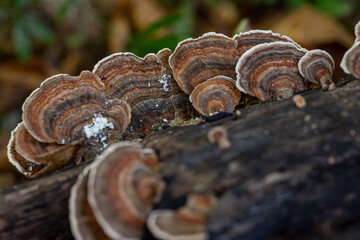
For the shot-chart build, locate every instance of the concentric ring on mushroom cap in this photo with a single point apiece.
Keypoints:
(217, 94)
(350, 63)
(63, 105)
(43, 153)
(249, 39)
(270, 68)
(196, 60)
(123, 186)
(82, 220)
(134, 79)
(36, 160)
(317, 66)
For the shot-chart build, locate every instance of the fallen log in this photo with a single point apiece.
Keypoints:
(289, 173)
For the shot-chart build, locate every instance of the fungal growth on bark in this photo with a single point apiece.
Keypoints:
(196, 60)
(63, 119)
(270, 70)
(357, 31)
(187, 222)
(147, 84)
(317, 67)
(217, 94)
(122, 187)
(82, 220)
(350, 63)
(249, 39)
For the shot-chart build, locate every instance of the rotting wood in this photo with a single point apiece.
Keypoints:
(290, 173)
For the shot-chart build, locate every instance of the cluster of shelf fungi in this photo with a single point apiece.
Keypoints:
(71, 120)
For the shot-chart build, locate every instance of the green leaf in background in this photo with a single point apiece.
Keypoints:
(39, 30)
(184, 26)
(335, 8)
(21, 41)
(63, 9)
(294, 4)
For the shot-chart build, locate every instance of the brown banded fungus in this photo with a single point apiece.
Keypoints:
(123, 186)
(196, 60)
(82, 220)
(62, 118)
(357, 31)
(58, 111)
(350, 63)
(147, 84)
(34, 159)
(249, 39)
(317, 67)
(270, 70)
(217, 94)
(187, 222)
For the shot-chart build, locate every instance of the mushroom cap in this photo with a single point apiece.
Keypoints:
(34, 159)
(122, 188)
(196, 60)
(270, 69)
(315, 65)
(185, 223)
(82, 220)
(148, 85)
(249, 39)
(58, 111)
(43, 153)
(357, 31)
(350, 63)
(217, 94)
(134, 79)
(164, 225)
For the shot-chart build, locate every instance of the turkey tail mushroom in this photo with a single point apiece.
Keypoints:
(217, 94)
(123, 186)
(317, 66)
(196, 60)
(187, 222)
(270, 70)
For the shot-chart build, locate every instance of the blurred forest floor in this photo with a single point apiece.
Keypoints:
(40, 38)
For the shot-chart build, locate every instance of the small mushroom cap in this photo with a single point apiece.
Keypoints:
(123, 186)
(58, 111)
(350, 63)
(196, 60)
(249, 39)
(82, 220)
(164, 225)
(218, 94)
(187, 222)
(317, 66)
(36, 159)
(270, 70)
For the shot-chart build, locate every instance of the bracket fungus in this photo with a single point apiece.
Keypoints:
(62, 118)
(270, 70)
(217, 94)
(122, 188)
(249, 39)
(187, 222)
(317, 67)
(147, 84)
(196, 60)
(350, 63)
(357, 31)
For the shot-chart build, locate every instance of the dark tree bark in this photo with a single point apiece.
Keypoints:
(290, 173)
